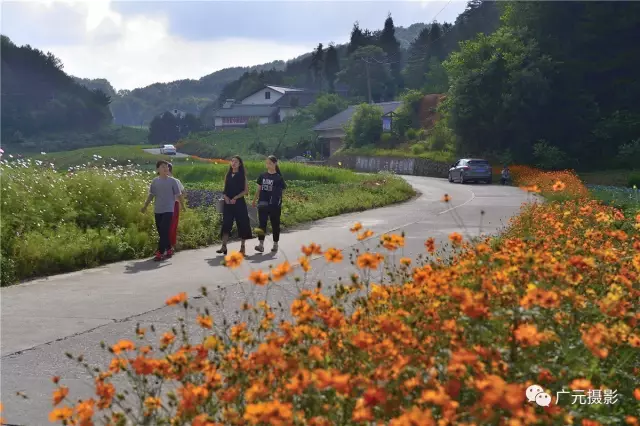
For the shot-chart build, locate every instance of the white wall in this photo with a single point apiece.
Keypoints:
(330, 134)
(258, 97)
(287, 112)
(219, 122)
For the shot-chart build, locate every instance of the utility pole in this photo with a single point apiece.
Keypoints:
(367, 61)
(368, 81)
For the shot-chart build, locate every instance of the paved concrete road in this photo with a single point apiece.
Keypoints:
(156, 151)
(74, 312)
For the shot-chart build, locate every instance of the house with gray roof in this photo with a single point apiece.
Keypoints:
(332, 129)
(269, 105)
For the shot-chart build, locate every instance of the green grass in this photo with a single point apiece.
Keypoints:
(110, 135)
(608, 177)
(55, 222)
(228, 142)
(117, 155)
(440, 156)
(291, 171)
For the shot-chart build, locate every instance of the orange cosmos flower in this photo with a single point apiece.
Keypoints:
(60, 394)
(304, 264)
(581, 384)
(430, 245)
(259, 278)
(178, 298)
(405, 261)
(559, 186)
(367, 260)
(60, 414)
(636, 394)
(356, 227)
(364, 235)
(123, 345)
(311, 249)
(167, 339)
(281, 271)
(152, 403)
(233, 260)
(446, 198)
(333, 255)
(84, 411)
(204, 321)
(455, 238)
(528, 335)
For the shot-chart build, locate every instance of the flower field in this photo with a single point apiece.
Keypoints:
(553, 302)
(82, 216)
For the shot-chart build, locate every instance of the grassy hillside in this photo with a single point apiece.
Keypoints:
(66, 141)
(108, 156)
(248, 142)
(139, 106)
(39, 98)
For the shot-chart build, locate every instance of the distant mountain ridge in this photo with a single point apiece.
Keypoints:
(138, 107)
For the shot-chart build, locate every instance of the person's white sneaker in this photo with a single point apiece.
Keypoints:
(275, 248)
(260, 248)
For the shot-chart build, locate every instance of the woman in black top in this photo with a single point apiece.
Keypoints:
(235, 208)
(269, 201)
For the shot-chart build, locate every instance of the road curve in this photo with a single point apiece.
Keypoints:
(156, 151)
(74, 312)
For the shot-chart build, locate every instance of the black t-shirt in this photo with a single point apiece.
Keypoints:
(271, 186)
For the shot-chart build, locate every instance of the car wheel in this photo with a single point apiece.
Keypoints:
(462, 178)
(450, 178)
(490, 181)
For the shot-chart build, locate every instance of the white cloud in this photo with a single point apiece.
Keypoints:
(137, 51)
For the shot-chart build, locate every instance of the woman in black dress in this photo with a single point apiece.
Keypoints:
(235, 207)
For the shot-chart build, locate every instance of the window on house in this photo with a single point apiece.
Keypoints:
(267, 95)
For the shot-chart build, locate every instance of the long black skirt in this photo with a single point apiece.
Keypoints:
(239, 214)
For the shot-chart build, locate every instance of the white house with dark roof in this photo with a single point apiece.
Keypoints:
(271, 104)
(332, 129)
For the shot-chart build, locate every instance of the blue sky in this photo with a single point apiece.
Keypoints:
(136, 43)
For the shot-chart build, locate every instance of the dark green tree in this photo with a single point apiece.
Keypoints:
(164, 128)
(365, 126)
(359, 38)
(331, 66)
(367, 74)
(317, 65)
(327, 105)
(391, 47)
(38, 97)
(499, 93)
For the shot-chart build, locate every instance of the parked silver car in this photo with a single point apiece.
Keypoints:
(471, 170)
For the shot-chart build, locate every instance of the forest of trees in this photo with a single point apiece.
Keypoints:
(556, 85)
(396, 58)
(169, 128)
(39, 97)
(548, 83)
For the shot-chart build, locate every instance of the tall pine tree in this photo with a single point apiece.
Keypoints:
(317, 65)
(391, 48)
(416, 64)
(331, 66)
(358, 39)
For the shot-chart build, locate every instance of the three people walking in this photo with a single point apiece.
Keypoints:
(268, 199)
(167, 192)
